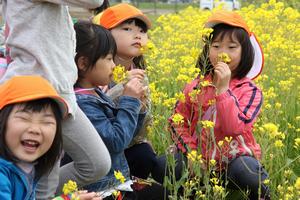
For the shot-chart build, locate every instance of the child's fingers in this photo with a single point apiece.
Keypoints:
(136, 73)
(89, 196)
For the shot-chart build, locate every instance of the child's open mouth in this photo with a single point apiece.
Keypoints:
(30, 145)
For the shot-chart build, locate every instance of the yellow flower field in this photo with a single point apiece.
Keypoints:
(176, 43)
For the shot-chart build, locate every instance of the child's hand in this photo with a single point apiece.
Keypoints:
(136, 73)
(134, 88)
(84, 195)
(222, 75)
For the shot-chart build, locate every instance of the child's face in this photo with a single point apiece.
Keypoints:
(101, 74)
(29, 135)
(229, 45)
(129, 38)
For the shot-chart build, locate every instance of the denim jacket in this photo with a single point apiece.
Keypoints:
(116, 125)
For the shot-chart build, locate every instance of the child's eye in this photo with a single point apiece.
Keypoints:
(21, 117)
(232, 47)
(49, 123)
(127, 29)
(215, 46)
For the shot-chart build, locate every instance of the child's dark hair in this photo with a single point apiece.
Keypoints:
(247, 54)
(46, 162)
(92, 42)
(99, 9)
(138, 61)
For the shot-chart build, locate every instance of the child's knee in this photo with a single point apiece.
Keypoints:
(247, 171)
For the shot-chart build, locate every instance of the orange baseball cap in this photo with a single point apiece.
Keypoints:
(115, 15)
(233, 19)
(20, 89)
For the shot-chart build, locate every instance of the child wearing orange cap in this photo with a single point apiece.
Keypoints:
(129, 27)
(230, 100)
(41, 40)
(31, 114)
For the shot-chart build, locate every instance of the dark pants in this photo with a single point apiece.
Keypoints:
(243, 173)
(141, 160)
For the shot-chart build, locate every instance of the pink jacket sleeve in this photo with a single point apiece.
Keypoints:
(237, 108)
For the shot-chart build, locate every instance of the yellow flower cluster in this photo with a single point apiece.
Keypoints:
(178, 119)
(70, 187)
(194, 157)
(120, 74)
(119, 176)
(224, 57)
(207, 124)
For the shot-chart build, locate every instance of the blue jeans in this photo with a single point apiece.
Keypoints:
(245, 172)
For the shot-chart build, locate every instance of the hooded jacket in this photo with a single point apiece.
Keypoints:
(233, 113)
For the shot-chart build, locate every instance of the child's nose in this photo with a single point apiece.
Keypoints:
(113, 65)
(138, 35)
(34, 128)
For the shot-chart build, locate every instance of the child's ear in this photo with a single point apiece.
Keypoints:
(82, 63)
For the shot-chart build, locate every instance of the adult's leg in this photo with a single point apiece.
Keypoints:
(91, 159)
(245, 172)
(47, 185)
(141, 159)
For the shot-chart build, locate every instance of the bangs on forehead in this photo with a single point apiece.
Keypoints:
(139, 23)
(219, 34)
(38, 105)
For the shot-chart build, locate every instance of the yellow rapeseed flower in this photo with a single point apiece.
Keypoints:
(205, 83)
(119, 176)
(211, 102)
(214, 181)
(207, 124)
(278, 143)
(220, 143)
(192, 155)
(180, 97)
(267, 181)
(297, 184)
(206, 32)
(193, 94)
(70, 187)
(224, 57)
(297, 143)
(212, 162)
(228, 139)
(177, 119)
(120, 74)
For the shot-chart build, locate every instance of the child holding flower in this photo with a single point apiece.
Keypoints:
(129, 27)
(116, 124)
(222, 104)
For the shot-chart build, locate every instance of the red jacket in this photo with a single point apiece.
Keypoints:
(233, 112)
